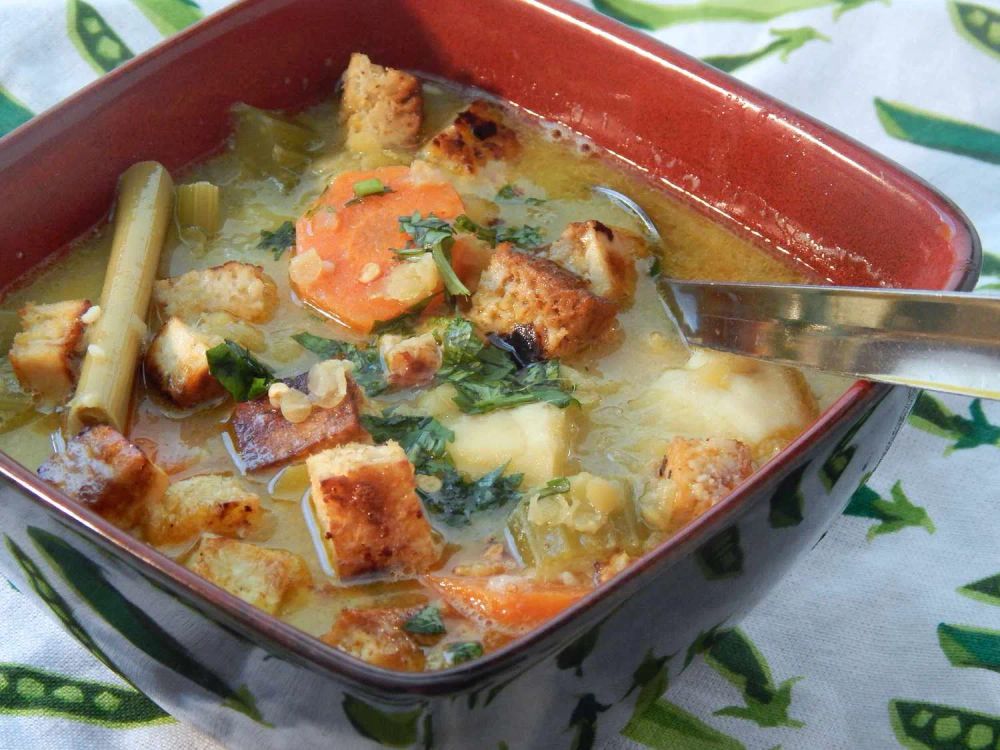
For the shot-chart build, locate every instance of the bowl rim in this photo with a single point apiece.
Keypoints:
(300, 647)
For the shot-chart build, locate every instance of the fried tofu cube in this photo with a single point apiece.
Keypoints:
(694, 475)
(376, 636)
(368, 510)
(213, 503)
(105, 472)
(410, 361)
(241, 289)
(518, 289)
(175, 363)
(604, 256)
(382, 107)
(46, 352)
(476, 137)
(267, 578)
(264, 438)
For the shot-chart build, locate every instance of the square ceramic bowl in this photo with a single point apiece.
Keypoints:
(765, 170)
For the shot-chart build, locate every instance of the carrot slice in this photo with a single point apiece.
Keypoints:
(355, 243)
(511, 603)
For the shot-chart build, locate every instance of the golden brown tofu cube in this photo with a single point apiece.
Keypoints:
(213, 503)
(518, 289)
(694, 475)
(175, 363)
(241, 289)
(368, 510)
(604, 256)
(476, 137)
(265, 438)
(377, 637)
(46, 352)
(105, 472)
(383, 107)
(410, 361)
(266, 578)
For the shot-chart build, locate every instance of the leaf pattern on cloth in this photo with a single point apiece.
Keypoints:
(785, 43)
(932, 726)
(170, 16)
(937, 131)
(665, 726)
(94, 38)
(979, 24)
(894, 514)
(967, 646)
(12, 112)
(986, 590)
(930, 415)
(650, 15)
(29, 690)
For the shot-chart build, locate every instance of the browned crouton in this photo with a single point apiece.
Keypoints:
(210, 503)
(693, 476)
(265, 438)
(368, 510)
(410, 361)
(383, 107)
(240, 289)
(176, 364)
(521, 289)
(377, 637)
(105, 472)
(46, 352)
(604, 256)
(266, 578)
(476, 137)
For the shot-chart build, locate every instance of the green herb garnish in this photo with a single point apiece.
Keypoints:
(435, 236)
(511, 194)
(279, 240)
(422, 437)
(365, 188)
(367, 371)
(557, 486)
(525, 237)
(425, 622)
(456, 653)
(458, 498)
(403, 322)
(238, 371)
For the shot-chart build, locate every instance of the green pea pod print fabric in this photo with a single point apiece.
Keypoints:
(885, 635)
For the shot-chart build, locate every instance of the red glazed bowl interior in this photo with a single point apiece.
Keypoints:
(793, 185)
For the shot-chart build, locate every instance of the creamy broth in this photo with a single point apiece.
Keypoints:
(619, 431)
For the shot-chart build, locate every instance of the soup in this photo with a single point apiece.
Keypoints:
(404, 380)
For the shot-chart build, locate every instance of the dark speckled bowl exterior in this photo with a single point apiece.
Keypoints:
(798, 187)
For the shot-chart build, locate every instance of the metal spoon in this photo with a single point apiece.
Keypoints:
(941, 341)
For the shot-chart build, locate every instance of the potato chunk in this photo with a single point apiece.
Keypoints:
(377, 637)
(175, 363)
(266, 578)
(368, 510)
(241, 289)
(534, 439)
(213, 503)
(383, 107)
(521, 289)
(105, 472)
(476, 137)
(46, 352)
(604, 256)
(265, 438)
(410, 361)
(693, 476)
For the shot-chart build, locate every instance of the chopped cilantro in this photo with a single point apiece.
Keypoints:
(238, 371)
(425, 622)
(557, 486)
(512, 194)
(279, 240)
(367, 364)
(458, 498)
(403, 322)
(422, 437)
(456, 653)
(526, 237)
(366, 188)
(435, 236)
(425, 231)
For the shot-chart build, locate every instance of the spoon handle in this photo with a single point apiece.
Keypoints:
(936, 340)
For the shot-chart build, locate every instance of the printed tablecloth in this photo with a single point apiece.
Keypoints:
(888, 633)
